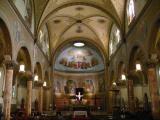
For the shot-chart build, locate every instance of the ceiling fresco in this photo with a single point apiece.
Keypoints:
(79, 59)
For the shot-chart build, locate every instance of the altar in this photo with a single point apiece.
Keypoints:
(80, 115)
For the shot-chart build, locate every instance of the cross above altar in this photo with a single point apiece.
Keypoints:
(79, 96)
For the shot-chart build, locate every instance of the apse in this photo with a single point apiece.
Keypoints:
(78, 65)
(76, 58)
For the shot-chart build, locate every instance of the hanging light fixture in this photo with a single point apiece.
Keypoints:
(44, 84)
(22, 67)
(114, 84)
(36, 77)
(79, 44)
(123, 77)
(138, 67)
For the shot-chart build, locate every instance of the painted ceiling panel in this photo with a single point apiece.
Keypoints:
(119, 5)
(106, 5)
(79, 30)
(40, 5)
(101, 25)
(92, 19)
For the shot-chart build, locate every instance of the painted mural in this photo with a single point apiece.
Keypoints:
(25, 9)
(79, 59)
(58, 87)
(88, 86)
(70, 86)
(66, 83)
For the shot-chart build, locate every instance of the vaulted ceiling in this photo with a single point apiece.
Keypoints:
(68, 19)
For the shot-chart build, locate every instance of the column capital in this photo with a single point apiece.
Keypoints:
(29, 75)
(38, 83)
(10, 64)
(152, 61)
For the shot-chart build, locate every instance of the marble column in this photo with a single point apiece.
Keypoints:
(130, 94)
(153, 86)
(29, 93)
(8, 88)
(41, 98)
(46, 98)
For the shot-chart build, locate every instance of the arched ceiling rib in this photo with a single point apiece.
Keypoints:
(91, 19)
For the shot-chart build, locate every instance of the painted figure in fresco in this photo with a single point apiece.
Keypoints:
(58, 87)
(70, 87)
(89, 86)
(101, 85)
(79, 59)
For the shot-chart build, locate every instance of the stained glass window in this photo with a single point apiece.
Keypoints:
(43, 41)
(130, 11)
(115, 38)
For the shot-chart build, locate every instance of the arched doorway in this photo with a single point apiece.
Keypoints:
(79, 68)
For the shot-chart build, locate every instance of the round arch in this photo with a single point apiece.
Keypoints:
(38, 70)
(140, 81)
(86, 40)
(46, 79)
(24, 56)
(153, 39)
(5, 40)
(121, 69)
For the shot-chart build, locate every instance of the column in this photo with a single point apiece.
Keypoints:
(130, 94)
(153, 86)
(41, 98)
(8, 88)
(29, 93)
(110, 102)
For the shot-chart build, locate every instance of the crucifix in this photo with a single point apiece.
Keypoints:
(79, 96)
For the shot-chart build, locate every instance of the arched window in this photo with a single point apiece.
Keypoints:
(115, 38)
(43, 40)
(130, 11)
